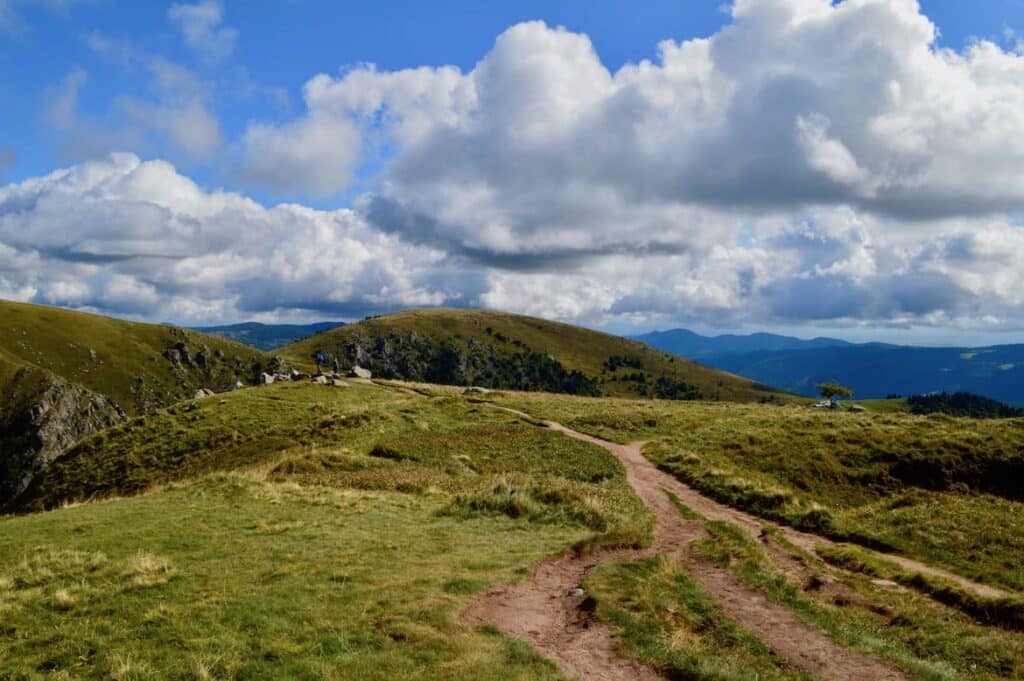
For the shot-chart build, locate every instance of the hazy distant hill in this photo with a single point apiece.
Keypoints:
(872, 369)
(268, 336)
(686, 343)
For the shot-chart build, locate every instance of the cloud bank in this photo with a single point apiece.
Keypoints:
(810, 163)
(138, 238)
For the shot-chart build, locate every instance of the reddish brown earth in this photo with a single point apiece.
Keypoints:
(560, 626)
(539, 612)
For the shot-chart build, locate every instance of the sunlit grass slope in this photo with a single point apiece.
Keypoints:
(297, 531)
(578, 349)
(236, 577)
(938, 488)
(109, 356)
(362, 436)
(306, 531)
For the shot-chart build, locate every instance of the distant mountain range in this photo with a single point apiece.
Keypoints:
(692, 345)
(268, 336)
(873, 370)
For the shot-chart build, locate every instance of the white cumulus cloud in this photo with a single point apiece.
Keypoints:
(201, 26)
(135, 237)
(810, 160)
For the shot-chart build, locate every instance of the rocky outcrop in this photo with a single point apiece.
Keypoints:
(44, 417)
(196, 367)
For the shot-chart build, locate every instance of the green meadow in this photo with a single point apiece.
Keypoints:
(306, 531)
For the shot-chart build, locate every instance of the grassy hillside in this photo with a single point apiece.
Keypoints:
(126, 361)
(314, 532)
(495, 349)
(306, 531)
(65, 375)
(937, 487)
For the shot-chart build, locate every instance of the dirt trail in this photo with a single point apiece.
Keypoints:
(539, 612)
(803, 645)
(713, 510)
(559, 624)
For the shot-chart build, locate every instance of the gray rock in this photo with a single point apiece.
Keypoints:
(52, 417)
(575, 592)
(266, 379)
(338, 383)
(360, 372)
(321, 380)
(475, 390)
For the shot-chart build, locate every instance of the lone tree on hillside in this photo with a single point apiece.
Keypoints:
(830, 391)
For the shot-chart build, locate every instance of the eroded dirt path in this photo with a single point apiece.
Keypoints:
(559, 624)
(538, 611)
(774, 625)
(752, 525)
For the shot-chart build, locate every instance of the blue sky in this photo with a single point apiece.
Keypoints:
(798, 170)
(282, 43)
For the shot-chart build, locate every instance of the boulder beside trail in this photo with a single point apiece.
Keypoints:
(360, 372)
(204, 392)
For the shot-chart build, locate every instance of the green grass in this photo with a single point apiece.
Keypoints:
(298, 531)
(480, 459)
(940, 489)
(236, 577)
(1007, 612)
(666, 618)
(305, 531)
(575, 347)
(59, 341)
(980, 536)
(886, 406)
(243, 428)
(925, 639)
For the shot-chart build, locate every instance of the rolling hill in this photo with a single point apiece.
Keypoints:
(500, 350)
(267, 336)
(66, 374)
(873, 370)
(382, 530)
